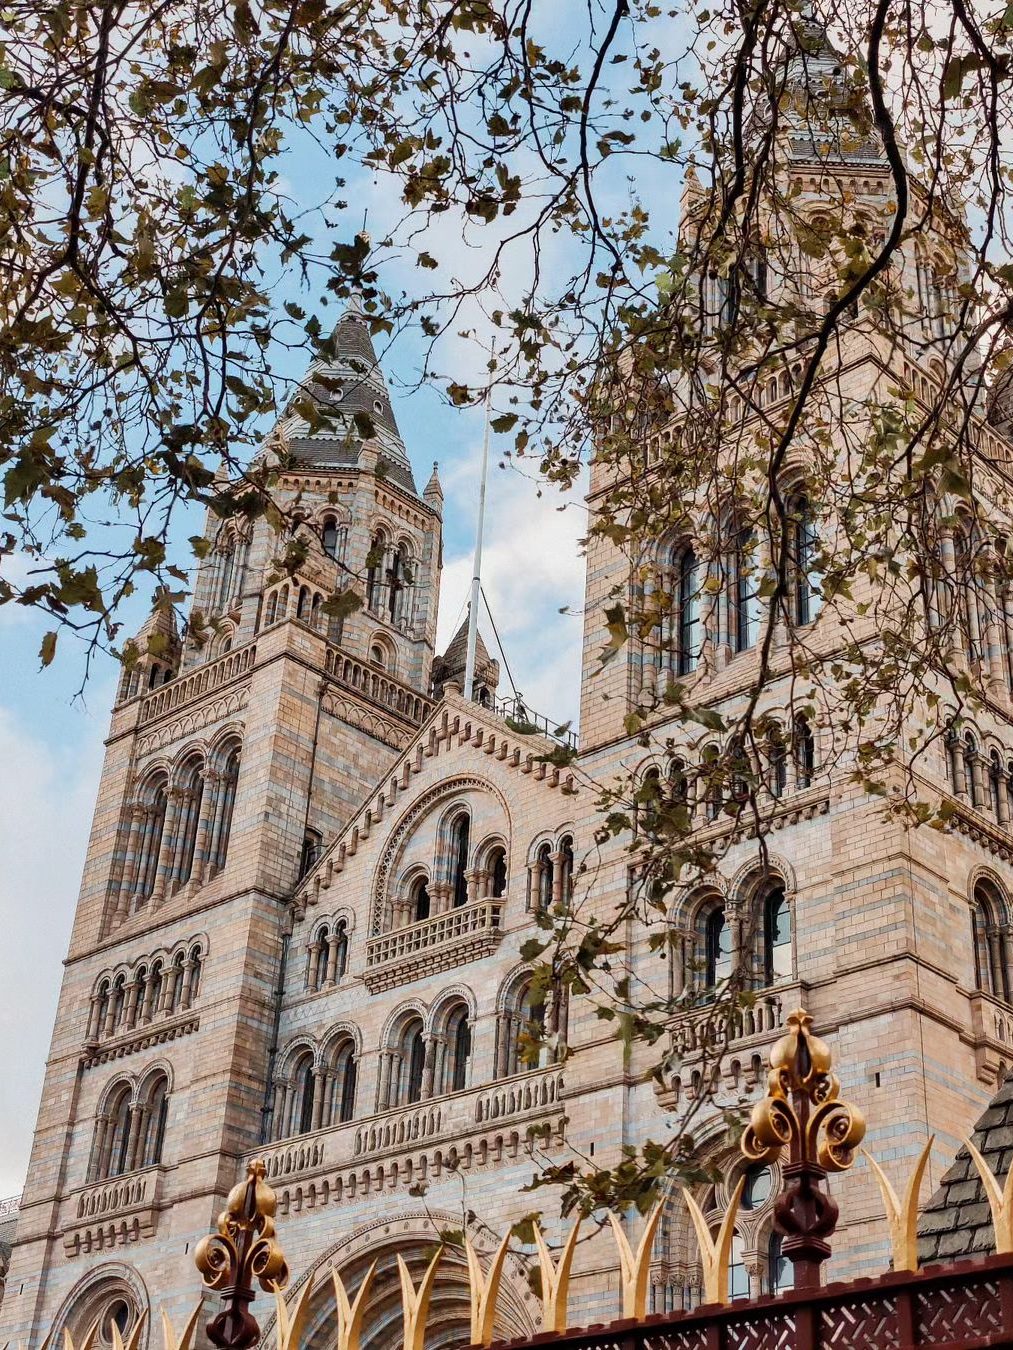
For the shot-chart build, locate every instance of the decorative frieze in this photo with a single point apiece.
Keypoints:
(113, 1213)
(143, 1039)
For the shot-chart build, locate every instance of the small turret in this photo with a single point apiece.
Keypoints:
(158, 649)
(450, 667)
(433, 494)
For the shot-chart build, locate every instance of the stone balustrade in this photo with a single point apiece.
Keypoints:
(377, 687)
(185, 688)
(112, 1213)
(708, 1030)
(449, 939)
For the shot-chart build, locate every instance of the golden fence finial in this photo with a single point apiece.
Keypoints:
(635, 1270)
(243, 1250)
(902, 1219)
(415, 1302)
(555, 1279)
(89, 1336)
(715, 1253)
(803, 1113)
(1000, 1202)
(133, 1340)
(350, 1314)
(484, 1290)
(185, 1341)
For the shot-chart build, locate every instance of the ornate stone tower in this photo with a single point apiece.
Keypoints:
(232, 754)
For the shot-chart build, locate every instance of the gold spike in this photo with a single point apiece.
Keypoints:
(714, 1254)
(555, 1280)
(635, 1270)
(350, 1314)
(415, 1302)
(185, 1341)
(134, 1337)
(290, 1324)
(484, 1290)
(902, 1219)
(89, 1336)
(999, 1201)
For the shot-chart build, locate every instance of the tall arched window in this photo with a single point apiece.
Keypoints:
(996, 786)
(460, 833)
(342, 1076)
(780, 1269)
(716, 937)
(744, 591)
(971, 774)
(340, 940)
(154, 1114)
(497, 869)
(738, 1276)
(543, 861)
(648, 800)
(804, 544)
(686, 596)
(227, 560)
(152, 828)
(374, 570)
(804, 750)
(305, 1082)
(413, 1060)
(191, 799)
(114, 1135)
(710, 763)
(777, 964)
(458, 1050)
(303, 603)
(566, 865)
(965, 584)
(334, 538)
(777, 761)
(402, 578)
(419, 902)
(988, 933)
(312, 844)
(225, 810)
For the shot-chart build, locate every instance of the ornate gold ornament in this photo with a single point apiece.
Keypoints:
(715, 1253)
(555, 1280)
(902, 1219)
(635, 1269)
(243, 1250)
(484, 1290)
(1000, 1201)
(415, 1302)
(803, 1112)
(350, 1314)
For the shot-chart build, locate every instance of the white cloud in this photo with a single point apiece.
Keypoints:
(46, 802)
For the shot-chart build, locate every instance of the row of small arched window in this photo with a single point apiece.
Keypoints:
(153, 989)
(314, 1092)
(724, 779)
(759, 937)
(390, 580)
(985, 782)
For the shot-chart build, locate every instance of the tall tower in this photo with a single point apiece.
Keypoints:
(234, 751)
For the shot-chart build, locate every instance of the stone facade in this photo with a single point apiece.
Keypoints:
(307, 889)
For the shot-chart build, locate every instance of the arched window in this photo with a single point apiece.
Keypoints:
(419, 903)
(965, 584)
(282, 603)
(710, 763)
(566, 865)
(458, 1050)
(744, 591)
(227, 561)
(522, 1026)
(777, 762)
(991, 954)
(152, 827)
(114, 1135)
(686, 596)
(413, 1060)
(402, 577)
(804, 544)
(334, 538)
(191, 800)
(496, 867)
(319, 952)
(154, 1114)
(543, 868)
(804, 751)
(341, 1078)
(460, 832)
(312, 844)
(340, 940)
(305, 1084)
(716, 936)
(302, 605)
(756, 1191)
(678, 781)
(225, 810)
(374, 570)
(738, 1277)
(272, 609)
(377, 656)
(777, 964)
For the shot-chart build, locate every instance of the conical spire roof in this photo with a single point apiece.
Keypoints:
(825, 117)
(346, 387)
(453, 663)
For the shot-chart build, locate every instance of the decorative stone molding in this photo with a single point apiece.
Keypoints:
(347, 710)
(442, 943)
(976, 827)
(113, 1213)
(141, 1039)
(228, 706)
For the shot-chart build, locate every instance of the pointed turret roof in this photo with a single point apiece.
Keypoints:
(453, 663)
(347, 386)
(434, 490)
(161, 622)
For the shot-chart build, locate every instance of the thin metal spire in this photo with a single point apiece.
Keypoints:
(476, 580)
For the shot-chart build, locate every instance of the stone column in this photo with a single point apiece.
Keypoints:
(319, 1088)
(650, 659)
(128, 878)
(138, 1117)
(168, 846)
(311, 977)
(980, 795)
(333, 942)
(186, 998)
(94, 1019)
(133, 991)
(205, 830)
(278, 1111)
(557, 859)
(149, 994)
(168, 998)
(98, 1148)
(432, 1044)
(110, 1017)
(474, 879)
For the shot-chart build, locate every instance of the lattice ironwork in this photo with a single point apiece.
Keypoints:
(861, 1324)
(952, 1313)
(772, 1332)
